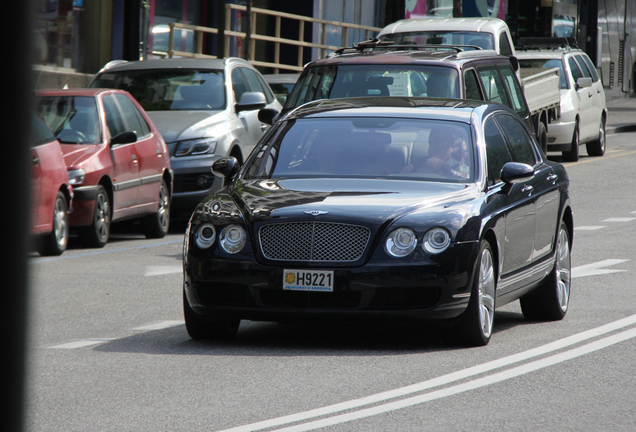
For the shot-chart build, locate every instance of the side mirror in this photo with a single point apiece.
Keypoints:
(268, 115)
(515, 172)
(251, 101)
(124, 138)
(226, 167)
(514, 62)
(583, 83)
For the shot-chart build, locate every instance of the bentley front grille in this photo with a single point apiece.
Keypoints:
(313, 241)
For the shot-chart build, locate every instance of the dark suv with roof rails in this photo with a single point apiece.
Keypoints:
(375, 68)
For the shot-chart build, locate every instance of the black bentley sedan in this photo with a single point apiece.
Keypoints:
(391, 209)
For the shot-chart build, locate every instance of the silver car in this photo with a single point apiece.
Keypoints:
(205, 109)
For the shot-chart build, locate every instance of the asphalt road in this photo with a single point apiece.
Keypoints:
(108, 350)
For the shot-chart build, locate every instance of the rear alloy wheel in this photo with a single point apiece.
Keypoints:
(55, 242)
(97, 233)
(476, 323)
(597, 147)
(156, 225)
(213, 330)
(549, 302)
(572, 155)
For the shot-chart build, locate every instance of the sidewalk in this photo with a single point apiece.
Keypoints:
(621, 111)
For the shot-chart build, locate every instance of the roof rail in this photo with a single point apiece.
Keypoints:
(378, 44)
(553, 43)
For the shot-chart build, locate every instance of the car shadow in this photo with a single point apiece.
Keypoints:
(304, 339)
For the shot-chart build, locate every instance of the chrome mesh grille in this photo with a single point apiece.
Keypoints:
(313, 241)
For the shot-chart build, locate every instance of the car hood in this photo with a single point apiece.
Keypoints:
(368, 201)
(75, 155)
(180, 125)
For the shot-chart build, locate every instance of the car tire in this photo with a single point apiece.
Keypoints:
(97, 233)
(572, 155)
(156, 225)
(56, 241)
(542, 136)
(213, 330)
(550, 301)
(597, 147)
(476, 323)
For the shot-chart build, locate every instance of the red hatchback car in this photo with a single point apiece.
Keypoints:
(51, 194)
(117, 161)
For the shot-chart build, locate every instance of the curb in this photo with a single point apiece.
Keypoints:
(620, 128)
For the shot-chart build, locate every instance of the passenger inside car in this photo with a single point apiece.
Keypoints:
(447, 155)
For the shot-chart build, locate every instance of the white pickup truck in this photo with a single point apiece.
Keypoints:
(542, 90)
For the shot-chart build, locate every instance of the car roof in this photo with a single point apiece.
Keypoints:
(381, 55)
(281, 78)
(173, 63)
(398, 107)
(488, 25)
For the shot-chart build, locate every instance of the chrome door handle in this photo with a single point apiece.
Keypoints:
(552, 177)
(589, 94)
(527, 189)
(36, 160)
(134, 158)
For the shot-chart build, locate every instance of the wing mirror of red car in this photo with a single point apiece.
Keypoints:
(124, 138)
(251, 101)
(226, 167)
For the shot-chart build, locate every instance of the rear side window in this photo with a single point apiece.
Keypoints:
(257, 85)
(511, 83)
(493, 85)
(586, 62)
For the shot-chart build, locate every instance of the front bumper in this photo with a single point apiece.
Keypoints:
(193, 181)
(406, 290)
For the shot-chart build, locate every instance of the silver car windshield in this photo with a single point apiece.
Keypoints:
(169, 89)
(407, 149)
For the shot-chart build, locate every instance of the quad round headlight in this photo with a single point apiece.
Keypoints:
(205, 235)
(400, 242)
(232, 238)
(436, 240)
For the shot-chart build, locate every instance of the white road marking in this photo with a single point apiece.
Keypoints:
(588, 228)
(597, 268)
(79, 343)
(618, 219)
(159, 325)
(444, 379)
(162, 270)
(470, 385)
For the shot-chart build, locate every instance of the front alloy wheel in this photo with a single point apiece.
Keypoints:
(97, 233)
(476, 323)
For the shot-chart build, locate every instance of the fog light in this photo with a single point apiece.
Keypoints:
(203, 181)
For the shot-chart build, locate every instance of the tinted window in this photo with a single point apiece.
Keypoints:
(40, 132)
(367, 147)
(133, 118)
(239, 84)
(72, 119)
(374, 80)
(441, 37)
(520, 142)
(574, 68)
(497, 151)
(471, 85)
(510, 80)
(114, 120)
(493, 86)
(504, 45)
(590, 66)
(169, 89)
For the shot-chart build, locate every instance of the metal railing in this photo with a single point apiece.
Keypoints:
(276, 39)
